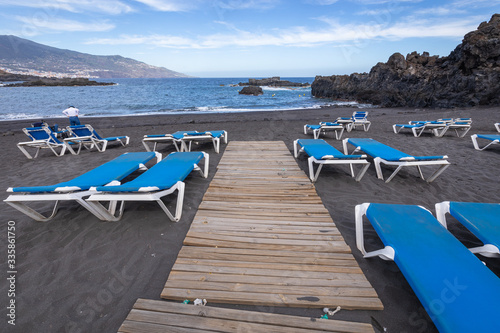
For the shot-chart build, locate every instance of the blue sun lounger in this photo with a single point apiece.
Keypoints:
(86, 136)
(437, 127)
(493, 138)
(482, 219)
(174, 138)
(41, 137)
(382, 153)
(321, 153)
(459, 293)
(76, 189)
(360, 118)
(214, 136)
(160, 180)
(323, 127)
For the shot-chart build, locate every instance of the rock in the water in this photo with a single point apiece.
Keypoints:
(252, 90)
(469, 76)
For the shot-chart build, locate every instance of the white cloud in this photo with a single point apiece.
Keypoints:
(39, 23)
(113, 7)
(171, 5)
(335, 33)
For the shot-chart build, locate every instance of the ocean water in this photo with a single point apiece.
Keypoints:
(154, 96)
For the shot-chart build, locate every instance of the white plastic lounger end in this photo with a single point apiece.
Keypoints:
(482, 219)
(321, 153)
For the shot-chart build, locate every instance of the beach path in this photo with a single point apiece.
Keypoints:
(262, 236)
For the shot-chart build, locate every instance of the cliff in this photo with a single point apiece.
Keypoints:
(468, 76)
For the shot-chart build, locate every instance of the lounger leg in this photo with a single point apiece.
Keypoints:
(316, 133)
(305, 129)
(33, 213)
(361, 172)
(25, 152)
(437, 173)
(216, 143)
(338, 136)
(312, 175)
(393, 174)
(147, 147)
(178, 207)
(378, 168)
(295, 152)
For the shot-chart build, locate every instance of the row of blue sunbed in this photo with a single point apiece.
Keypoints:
(85, 136)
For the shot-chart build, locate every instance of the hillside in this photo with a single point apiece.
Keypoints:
(27, 57)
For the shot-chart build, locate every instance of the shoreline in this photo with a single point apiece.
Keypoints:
(95, 270)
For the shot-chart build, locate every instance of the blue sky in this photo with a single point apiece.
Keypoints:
(248, 38)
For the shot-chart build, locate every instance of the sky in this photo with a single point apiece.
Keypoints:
(248, 38)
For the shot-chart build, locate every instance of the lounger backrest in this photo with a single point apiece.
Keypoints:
(83, 130)
(482, 219)
(116, 169)
(175, 167)
(359, 115)
(41, 133)
(444, 274)
(491, 137)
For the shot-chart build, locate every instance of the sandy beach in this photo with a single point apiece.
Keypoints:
(78, 274)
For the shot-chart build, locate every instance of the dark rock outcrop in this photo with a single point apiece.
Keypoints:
(54, 82)
(468, 76)
(252, 90)
(273, 82)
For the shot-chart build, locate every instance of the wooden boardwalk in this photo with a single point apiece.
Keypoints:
(262, 236)
(161, 316)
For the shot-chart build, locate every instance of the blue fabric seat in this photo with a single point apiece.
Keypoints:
(162, 179)
(382, 153)
(111, 172)
(457, 290)
(321, 153)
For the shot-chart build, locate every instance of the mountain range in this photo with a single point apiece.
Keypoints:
(22, 56)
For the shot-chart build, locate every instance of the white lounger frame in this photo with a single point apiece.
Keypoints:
(497, 126)
(338, 129)
(89, 141)
(404, 162)
(205, 137)
(476, 145)
(39, 144)
(143, 194)
(67, 193)
(331, 160)
(161, 139)
(487, 250)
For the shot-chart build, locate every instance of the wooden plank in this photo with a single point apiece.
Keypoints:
(262, 272)
(331, 281)
(285, 290)
(270, 266)
(290, 300)
(189, 241)
(252, 316)
(294, 255)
